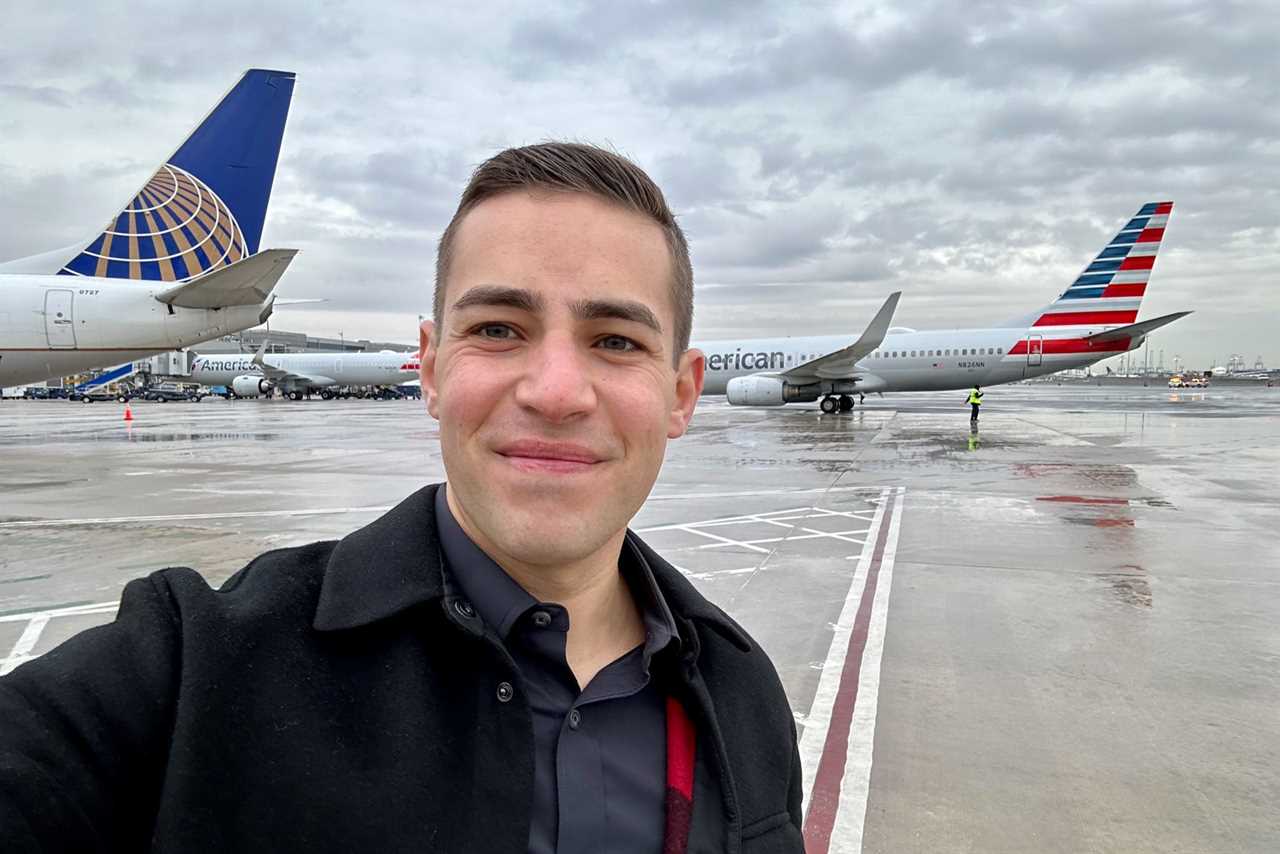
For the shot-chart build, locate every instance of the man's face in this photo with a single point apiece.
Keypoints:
(552, 374)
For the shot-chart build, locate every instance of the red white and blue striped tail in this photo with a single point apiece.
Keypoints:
(1109, 291)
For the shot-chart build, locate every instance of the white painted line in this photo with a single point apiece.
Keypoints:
(855, 791)
(711, 523)
(336, 511)
(818, 721)
(823, 489)
(722, 541)
(72, 611)
(26, 642)
(188, 517)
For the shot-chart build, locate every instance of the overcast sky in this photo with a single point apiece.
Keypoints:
(973, 155)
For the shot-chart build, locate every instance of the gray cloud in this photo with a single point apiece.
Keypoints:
(974, 155)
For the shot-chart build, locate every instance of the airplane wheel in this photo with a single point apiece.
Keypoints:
(829, 405)
(846, 403)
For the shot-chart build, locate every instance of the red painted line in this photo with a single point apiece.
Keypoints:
(1072, 345)
(824, 800)
(1135, 289)
(1142, 262)
(1079, 318)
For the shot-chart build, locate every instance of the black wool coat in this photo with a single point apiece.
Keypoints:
(333, 697)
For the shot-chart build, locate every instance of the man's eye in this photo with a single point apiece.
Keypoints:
(495, 331)
(618, 343)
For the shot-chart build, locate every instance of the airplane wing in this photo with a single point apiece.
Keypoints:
(1135, 330)
(287, 379)
(248, 281)
(840, 363)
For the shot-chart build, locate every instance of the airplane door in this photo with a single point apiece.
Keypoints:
(1035, 349)
(59, 322)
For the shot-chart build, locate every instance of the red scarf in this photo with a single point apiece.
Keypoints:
(680, 758)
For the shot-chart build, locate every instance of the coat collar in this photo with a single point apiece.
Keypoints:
(395, 563)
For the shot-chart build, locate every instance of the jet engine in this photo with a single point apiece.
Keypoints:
(769, 391)
(250, 385)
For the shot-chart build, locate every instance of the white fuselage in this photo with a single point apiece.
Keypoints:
(52, 326)
(912, 361)
(322, 369)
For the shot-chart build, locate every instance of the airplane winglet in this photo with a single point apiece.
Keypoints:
(873, 336)
(269, 370)
(1135, 330)
(248, 281)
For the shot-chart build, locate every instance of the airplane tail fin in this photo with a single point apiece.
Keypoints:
(1108, 292)
(205, 206)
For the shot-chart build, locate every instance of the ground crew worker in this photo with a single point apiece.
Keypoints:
(975, 400)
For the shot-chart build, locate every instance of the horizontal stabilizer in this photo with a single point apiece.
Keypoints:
(840, 363)
(1135, 330)
(248, 281)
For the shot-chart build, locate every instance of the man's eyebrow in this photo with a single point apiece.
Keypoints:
(599, 309)
(499, 295)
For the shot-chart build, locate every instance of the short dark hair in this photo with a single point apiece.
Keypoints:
(577, 168)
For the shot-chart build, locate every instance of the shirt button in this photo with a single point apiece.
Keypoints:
(505, 692)
(541, 619)
(575, 719)
(463, 609)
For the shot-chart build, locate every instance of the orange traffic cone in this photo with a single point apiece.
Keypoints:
(128, 413)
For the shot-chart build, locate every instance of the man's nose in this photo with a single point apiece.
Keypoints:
(557, 383)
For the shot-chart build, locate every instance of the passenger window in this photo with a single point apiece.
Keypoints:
(1000, 350)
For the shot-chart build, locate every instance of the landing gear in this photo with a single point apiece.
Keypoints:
(295, 395)
(831, 404)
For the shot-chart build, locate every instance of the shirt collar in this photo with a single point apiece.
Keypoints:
(497, 597)
(501, 601)
(396, 563)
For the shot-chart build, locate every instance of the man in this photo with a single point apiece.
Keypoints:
(494, 666)
(975, 401)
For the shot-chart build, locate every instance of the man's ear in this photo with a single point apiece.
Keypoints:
(690, 374)
(427, 371)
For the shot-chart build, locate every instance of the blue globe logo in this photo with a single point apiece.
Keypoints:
(174, 229)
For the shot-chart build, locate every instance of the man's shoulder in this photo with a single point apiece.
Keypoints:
(275, 583)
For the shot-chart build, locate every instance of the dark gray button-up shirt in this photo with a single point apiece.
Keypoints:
(600, 753)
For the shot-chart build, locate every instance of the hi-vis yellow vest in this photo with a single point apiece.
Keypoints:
(975, 397)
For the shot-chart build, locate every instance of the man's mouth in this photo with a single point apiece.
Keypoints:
(553, 457)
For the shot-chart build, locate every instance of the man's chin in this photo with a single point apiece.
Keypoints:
(542, 540)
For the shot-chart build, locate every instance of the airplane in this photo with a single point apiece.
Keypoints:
(179, 264)
(297, 374)
(1093, 319)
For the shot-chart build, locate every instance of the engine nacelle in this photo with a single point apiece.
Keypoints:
(249, 385)
(769, 391)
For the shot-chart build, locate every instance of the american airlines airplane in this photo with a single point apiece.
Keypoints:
(178, 265)
(298, 374)
(1093, 319)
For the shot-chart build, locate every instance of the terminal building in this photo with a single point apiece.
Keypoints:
(296, 342)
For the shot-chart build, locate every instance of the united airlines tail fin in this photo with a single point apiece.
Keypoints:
(205, 206)
(1108, 292)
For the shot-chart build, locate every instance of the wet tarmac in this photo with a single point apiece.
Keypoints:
(1060, 632)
